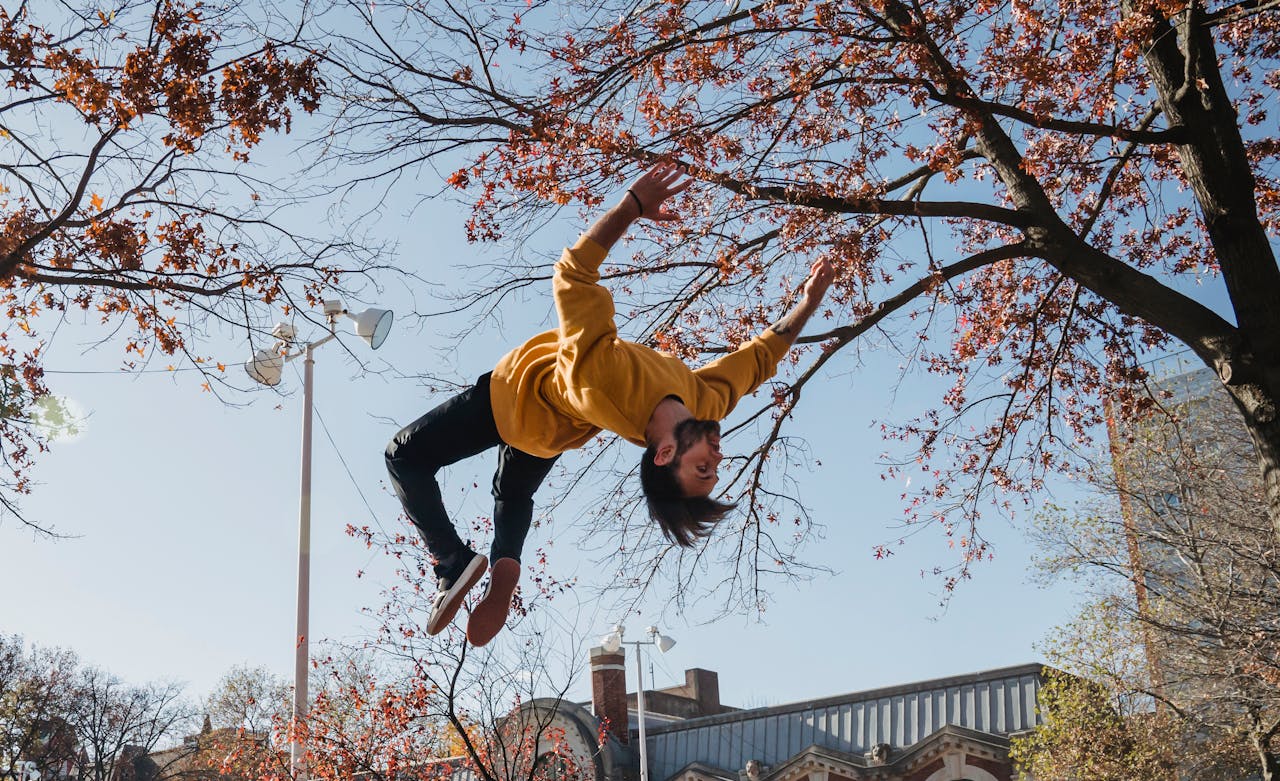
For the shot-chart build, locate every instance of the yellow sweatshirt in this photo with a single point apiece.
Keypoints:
(559, 389)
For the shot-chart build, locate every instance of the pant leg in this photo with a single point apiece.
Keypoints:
(458, 428)
(514, 484)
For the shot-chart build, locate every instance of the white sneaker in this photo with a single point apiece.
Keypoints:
(451, 592)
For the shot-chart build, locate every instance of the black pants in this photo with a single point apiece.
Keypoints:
(461, 427)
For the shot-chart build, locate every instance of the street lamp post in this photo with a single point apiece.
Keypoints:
(266, 367)
(612, 642)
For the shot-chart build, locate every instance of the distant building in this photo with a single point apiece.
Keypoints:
(1151, 460)
(947, 729)
(51, 755)
(197, 759)
(1199, 417)
(1199, 413)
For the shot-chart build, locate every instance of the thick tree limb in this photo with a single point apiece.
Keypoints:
(10, 261)
(1171, 135)
(1239, 11)
(912, 292)
(815, 199)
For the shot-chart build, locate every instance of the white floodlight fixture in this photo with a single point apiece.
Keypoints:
(265, 367)
(663, 642)
(373, 325)
(612, 641)
(285, 332)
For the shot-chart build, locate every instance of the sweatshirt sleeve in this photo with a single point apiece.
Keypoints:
(585, 309)
(737, 374)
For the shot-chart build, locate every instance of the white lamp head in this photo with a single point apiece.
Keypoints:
(265, 367)
(373, 325)
(612, 641)
(285, 332)
(663, 642)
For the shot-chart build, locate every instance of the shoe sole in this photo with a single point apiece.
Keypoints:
(490, 615)
(447, 607)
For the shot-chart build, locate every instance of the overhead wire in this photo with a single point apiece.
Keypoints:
(319, 417)
(125, 372)
(328, 435)
(347, 468)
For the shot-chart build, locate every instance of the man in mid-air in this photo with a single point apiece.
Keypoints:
(562, 387)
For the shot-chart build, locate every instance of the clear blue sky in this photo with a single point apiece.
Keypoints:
(184, 511)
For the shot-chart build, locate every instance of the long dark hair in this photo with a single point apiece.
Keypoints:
(683, 519)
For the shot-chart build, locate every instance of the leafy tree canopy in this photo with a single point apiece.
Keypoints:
(126, 194)
(1018, 197)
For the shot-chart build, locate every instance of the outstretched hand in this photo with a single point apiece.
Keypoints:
(650, 192)
(821, 273)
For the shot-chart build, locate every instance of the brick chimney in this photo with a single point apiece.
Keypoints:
(609, 690)
(704, 687)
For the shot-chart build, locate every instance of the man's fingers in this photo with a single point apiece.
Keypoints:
(664, 179)
(821, 274)
(673, 178)
(662, 171)
(682, 186)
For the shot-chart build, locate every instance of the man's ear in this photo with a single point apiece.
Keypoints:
(665, 454)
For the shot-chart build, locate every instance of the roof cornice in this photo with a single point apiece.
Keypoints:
(1015, 671)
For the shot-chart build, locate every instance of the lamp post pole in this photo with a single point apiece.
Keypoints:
(612, 642)
(302, 638)
(644, 748)
(264, 367)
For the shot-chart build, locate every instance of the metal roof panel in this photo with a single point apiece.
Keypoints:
(997, 702)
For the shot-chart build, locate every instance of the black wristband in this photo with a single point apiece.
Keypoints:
(636, 198)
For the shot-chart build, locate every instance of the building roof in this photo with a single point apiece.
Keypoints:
(998, 702)
(1191, 386)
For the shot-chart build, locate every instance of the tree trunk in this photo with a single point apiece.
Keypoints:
(1183, 62)
(1257, 404)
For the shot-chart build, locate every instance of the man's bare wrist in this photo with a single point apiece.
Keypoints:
(612, 225)
(635, 199)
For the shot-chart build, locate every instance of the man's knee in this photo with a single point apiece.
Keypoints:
(402, 454)
(393, 451)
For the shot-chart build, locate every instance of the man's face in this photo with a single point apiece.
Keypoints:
(698, 470)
